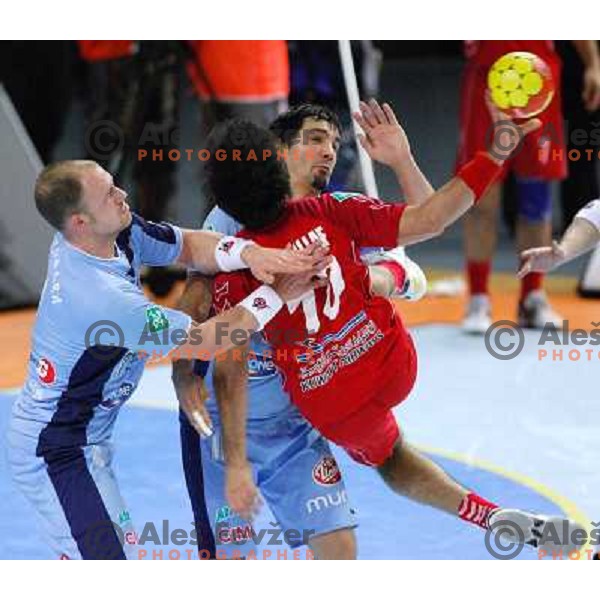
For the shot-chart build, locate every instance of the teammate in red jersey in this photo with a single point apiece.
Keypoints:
(346, 357)
(540, 160)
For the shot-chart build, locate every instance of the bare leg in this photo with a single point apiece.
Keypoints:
(481, 227)
(409, 473)
(336, 545)
(533, 235)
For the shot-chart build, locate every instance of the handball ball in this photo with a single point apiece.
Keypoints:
(521, 84)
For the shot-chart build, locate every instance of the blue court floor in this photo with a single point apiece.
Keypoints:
(522, 432)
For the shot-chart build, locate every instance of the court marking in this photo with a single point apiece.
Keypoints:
(570, 509)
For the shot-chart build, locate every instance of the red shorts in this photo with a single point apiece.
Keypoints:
(370, 433)
(543, 153)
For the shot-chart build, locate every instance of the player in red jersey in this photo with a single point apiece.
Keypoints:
(541, 160)
(346, 357)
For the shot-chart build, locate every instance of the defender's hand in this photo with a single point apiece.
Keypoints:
(241, 492)
(265, 263)
(541, 260)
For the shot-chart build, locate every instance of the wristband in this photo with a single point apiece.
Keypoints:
(591, 213)
(228, 253)
(264, 304)
(479, 173)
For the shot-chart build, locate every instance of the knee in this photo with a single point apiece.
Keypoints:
(346, 546)
(337, 545)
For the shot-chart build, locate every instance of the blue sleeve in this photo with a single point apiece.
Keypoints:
(156, 244)
(139, 324)
(219, 221)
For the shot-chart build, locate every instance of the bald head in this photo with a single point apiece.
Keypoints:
(59, 190)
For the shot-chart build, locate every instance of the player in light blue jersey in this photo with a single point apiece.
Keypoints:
(290, 461)
(93, 334)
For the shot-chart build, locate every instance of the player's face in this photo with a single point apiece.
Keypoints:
(105, 204)
(312, 157)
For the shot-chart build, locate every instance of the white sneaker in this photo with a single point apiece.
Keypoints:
(549, 534)
(415, 283)
(479, 315)
(535, 312)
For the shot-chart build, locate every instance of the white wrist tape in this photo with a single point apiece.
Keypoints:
(264, 304)
(228, 253)
(591, 212)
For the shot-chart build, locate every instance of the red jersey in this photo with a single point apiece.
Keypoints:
(338, 347)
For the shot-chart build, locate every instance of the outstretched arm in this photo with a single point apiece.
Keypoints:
(210, 252)
(447, 205)
(581, 236)
(233, 327)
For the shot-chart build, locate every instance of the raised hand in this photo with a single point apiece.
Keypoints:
(507, 135)
(384, 139)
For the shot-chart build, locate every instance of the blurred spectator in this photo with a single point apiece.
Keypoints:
(581, 101)
(37, 76)
(540, 161)
(240, 78)
(135, 86)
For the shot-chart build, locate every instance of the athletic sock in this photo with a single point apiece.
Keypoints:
(531, 283)
(477, 510)
(478, 274)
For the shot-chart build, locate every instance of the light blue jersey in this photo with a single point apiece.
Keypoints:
(93, 334)
(266, 397)
(75, 381)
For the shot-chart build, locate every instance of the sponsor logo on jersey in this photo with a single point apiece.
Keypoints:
(223, 514)
(238, 534)
(326, 501)
(259, 303)
(131, 538)
(226, 246)
(124, 364)
(342, 196)
(326, 471)
(46, 371)
(156, 319)
(124, 517)
(260, 367)
(119, 397)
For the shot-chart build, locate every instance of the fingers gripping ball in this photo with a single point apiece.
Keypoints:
(521, 84)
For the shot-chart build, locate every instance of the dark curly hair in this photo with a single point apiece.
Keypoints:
(287, 125)
(245, 177)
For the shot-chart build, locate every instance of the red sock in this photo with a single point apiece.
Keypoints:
(530, 283)
(476, 510)
(397, 271)
(478, 274)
